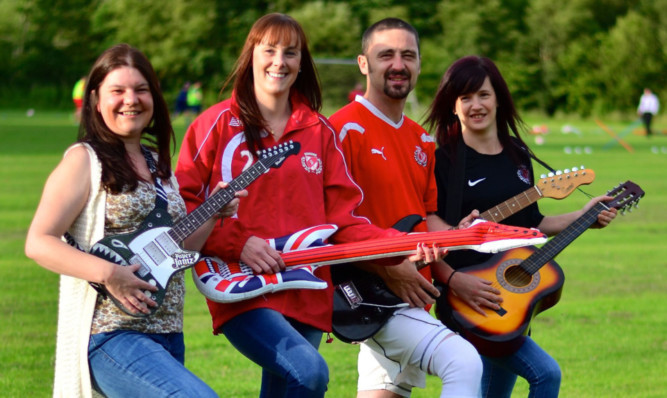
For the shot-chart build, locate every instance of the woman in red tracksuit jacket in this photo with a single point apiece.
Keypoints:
(276, 99)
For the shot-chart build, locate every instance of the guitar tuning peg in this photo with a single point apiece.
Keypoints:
(558, 172)
(550, 175)
(575, 169)
(582, 167)
(566, 171)
(543, 176)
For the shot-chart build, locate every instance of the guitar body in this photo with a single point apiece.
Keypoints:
(529, 280)
(151, 247)
(524, 296)
(362, 302)
(362, 305)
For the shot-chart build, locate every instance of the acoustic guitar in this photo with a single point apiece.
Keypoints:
(530, 282)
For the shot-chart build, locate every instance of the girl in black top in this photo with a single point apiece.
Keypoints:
(477, 129)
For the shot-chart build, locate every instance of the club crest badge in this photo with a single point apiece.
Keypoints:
(523, 174)
(311, 163)
(420, 156)
(234, 122)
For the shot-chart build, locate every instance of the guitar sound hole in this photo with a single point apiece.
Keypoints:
(517, 276)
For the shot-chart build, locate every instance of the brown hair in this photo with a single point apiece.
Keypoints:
(272, 28)
(386, 24)
(117, 171)
(466, 75)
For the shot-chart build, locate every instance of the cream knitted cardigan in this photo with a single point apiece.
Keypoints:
(77, 298)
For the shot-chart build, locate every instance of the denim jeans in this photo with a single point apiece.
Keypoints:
(126, 363)
(285, 349)
(530, 362)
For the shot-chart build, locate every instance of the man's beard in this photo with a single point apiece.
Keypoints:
(397, 93)
(394, 92)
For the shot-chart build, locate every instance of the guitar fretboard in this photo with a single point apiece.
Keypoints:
(214, 203)
(512, 205)
(559, 242)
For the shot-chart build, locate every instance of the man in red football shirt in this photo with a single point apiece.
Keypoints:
(392, 158)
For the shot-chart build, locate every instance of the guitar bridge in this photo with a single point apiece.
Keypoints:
(351, 294)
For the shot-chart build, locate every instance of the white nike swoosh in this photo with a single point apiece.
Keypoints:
(473, 183)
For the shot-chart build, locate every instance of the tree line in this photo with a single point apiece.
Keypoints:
(586, 57)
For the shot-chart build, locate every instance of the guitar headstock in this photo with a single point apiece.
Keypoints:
(274, 156)
(561, 183)
(626, 196)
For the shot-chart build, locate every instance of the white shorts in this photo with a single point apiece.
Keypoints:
(384, 359)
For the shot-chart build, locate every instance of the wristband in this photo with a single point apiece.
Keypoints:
(450, 277)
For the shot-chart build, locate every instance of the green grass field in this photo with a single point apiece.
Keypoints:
(609, 332)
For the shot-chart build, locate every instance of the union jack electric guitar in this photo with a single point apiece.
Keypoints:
(224, 282)
(530, 282)
(304, 251)
(155, 245)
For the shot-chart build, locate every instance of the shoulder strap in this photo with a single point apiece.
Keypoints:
(160, 194)
(455, 185)
(532, 156)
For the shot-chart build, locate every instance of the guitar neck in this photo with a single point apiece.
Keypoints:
(190, 223)
(486, 236)
(512, 205)
(559, 242)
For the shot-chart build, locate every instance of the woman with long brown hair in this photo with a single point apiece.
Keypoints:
(108, 183)
(276, 99)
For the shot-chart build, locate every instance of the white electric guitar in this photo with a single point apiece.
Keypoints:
(155, 245)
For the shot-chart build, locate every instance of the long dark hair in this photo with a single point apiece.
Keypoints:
(117, 171)
(465, 76)
(275, 28)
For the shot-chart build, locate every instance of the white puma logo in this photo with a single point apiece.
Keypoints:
(473, 183)
(378, 152)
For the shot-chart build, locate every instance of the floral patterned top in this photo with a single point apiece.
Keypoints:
(124, 213)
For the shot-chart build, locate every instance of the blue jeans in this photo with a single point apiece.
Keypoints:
(285, 349)
(127, 363)
(530, 362)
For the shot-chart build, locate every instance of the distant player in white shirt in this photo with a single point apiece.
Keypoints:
(648, 107)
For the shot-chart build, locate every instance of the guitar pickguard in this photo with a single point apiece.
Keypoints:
(151, 247)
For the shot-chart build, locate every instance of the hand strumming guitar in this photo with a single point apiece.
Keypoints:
(475, 291)
(262, 258)
(124, 285)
